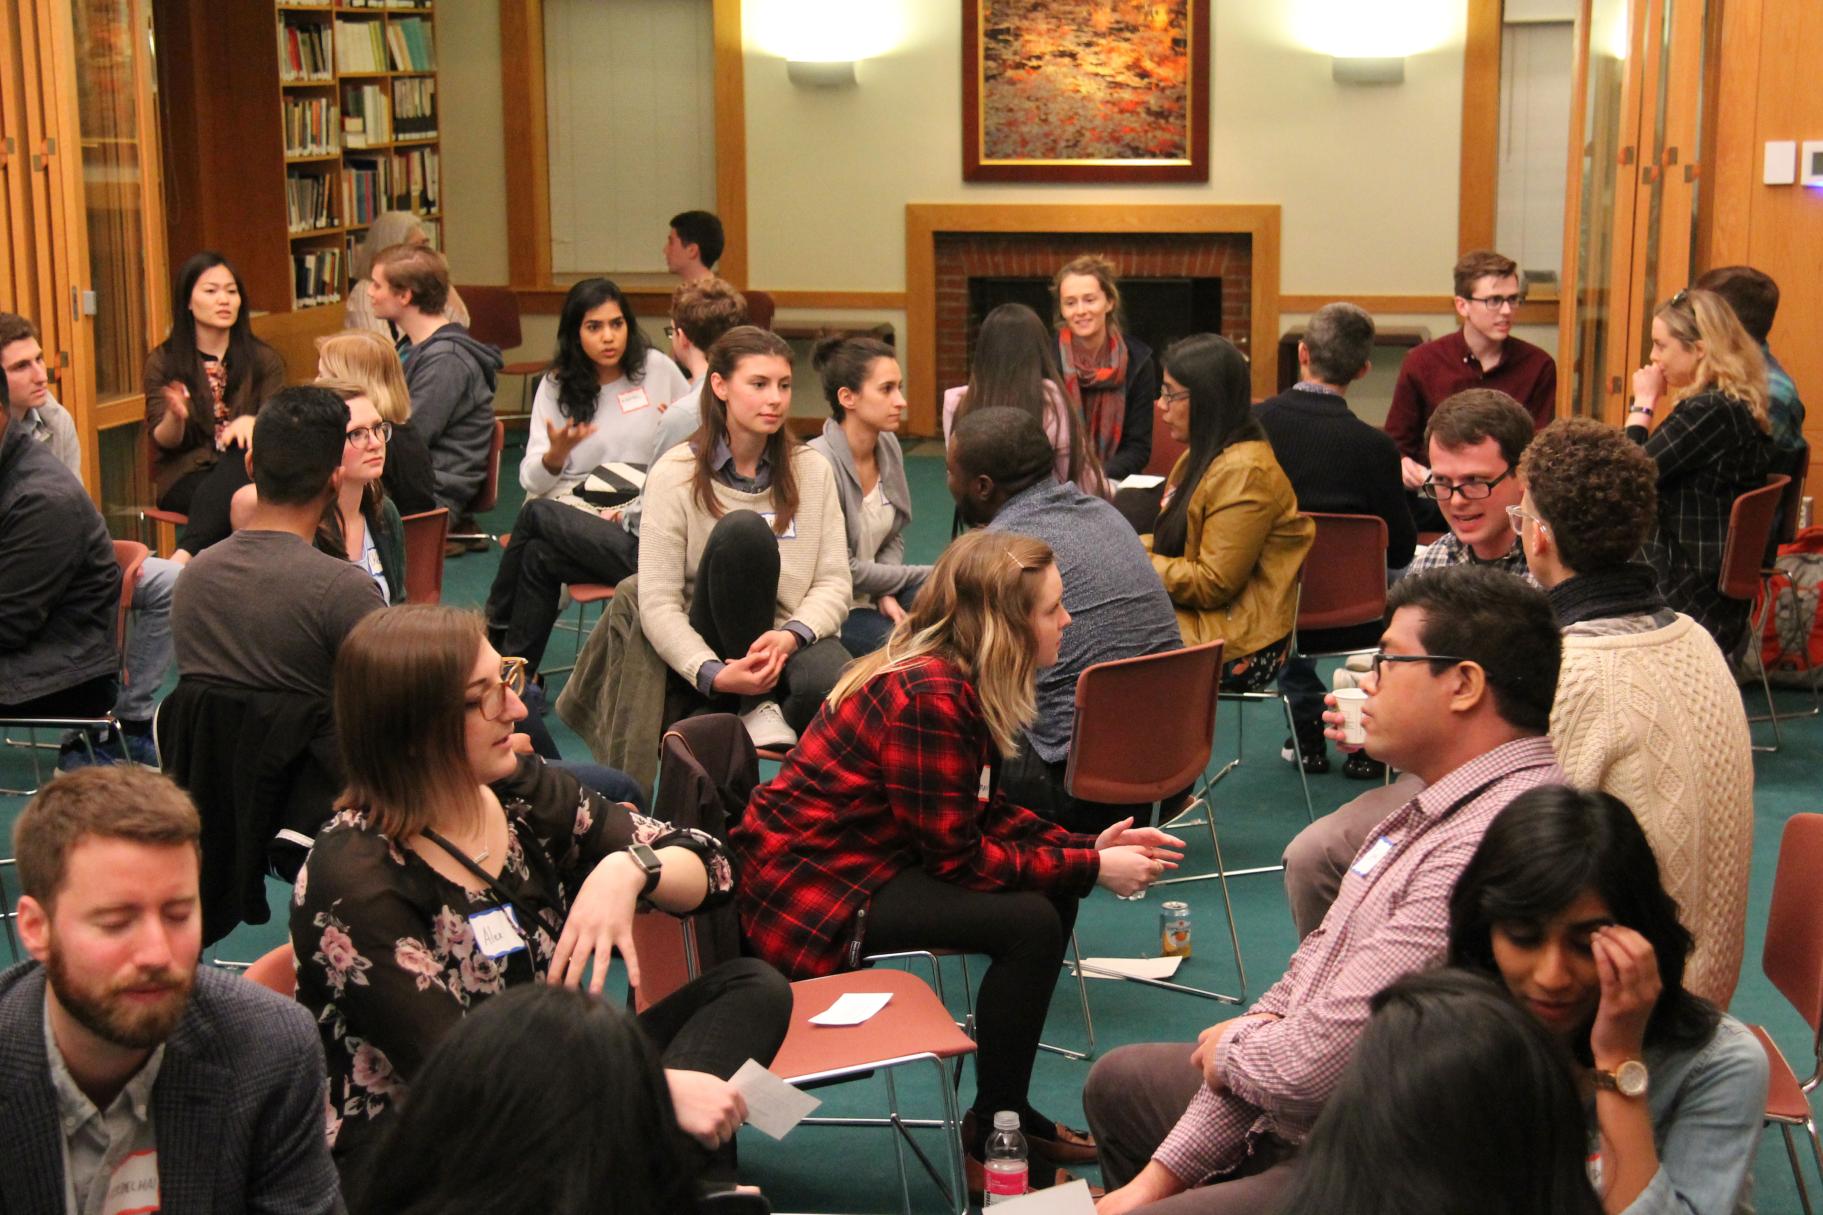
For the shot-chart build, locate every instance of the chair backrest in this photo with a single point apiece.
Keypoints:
(490, 488)
(667, 956)
(1344, 573)
(1793, 957)
(1749, 532)
(274, 970)
(493, 316)
(131, 555)
(1795, 465)
(425, 534)
(1123, 748)
(1165, 451)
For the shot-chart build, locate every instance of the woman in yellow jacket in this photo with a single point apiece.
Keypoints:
(1229, 539)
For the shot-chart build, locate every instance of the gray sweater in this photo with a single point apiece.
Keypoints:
(883, 572)
(451, 378)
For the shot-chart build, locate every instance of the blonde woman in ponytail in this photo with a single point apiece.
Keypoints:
(886, 829)
(1711, 448)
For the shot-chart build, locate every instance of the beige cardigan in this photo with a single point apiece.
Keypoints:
(1656, 720)
(814, 586)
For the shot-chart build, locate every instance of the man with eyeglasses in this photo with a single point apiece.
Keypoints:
(1474, 441)
(1482, 354)
(1460, 696)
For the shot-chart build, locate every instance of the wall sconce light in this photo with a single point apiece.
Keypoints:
(1387, 70)
(821, 74)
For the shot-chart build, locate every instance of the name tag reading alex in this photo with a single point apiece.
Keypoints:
(790, 532)
(633, 400)
(496, 932)
(1364, 864)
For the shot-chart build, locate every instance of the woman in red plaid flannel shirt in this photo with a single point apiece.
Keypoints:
(886, 829)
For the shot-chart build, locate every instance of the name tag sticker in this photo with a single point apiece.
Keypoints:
(790, 532)
(633, 400)
(133, 1187)
(987, 782)
(1364, 864)
(496, 932)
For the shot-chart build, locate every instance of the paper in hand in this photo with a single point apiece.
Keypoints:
(773, 1107)
(853, 1008)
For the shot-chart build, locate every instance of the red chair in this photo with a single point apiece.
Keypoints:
(582, 594)
(164, 527)
(1165, 451)
(1793, 960)
(1750, 524)
(425, 535)
(493, 317)
(490, 488)
(275, 970)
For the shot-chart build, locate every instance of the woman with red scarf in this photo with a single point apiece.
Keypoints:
(1111, 377)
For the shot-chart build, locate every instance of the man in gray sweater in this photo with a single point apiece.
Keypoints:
(451, 376)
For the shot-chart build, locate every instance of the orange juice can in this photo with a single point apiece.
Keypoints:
(1174, 930)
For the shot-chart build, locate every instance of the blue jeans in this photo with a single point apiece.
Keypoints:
(867, 629)
(148, 639)
(1304, 689)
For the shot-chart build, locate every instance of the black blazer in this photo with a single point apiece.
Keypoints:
(237, 1107)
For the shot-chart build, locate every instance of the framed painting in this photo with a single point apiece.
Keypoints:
(1085, 90)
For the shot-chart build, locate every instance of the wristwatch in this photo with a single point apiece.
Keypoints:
(647, 860)
(1629, 1079)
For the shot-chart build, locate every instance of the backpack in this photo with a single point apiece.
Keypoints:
(1791, 646)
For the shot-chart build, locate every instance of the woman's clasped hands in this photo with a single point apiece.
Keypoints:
(1132, 858)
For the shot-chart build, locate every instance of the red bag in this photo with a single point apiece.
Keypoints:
(1792, 643)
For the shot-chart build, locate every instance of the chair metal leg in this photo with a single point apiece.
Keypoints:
(7, 914)
(899, 1137)
(580, 638)
(958, 1171)
(1297, 757)
(1816, 1151)
(1797, 1170)
(1757, 623)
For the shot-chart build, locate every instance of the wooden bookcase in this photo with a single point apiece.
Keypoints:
(261, 163)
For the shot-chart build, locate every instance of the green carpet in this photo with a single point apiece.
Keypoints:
(1258, 809)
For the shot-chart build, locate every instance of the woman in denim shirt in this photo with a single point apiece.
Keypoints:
(1562, 902)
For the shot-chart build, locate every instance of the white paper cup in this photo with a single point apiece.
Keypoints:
(1351, 701)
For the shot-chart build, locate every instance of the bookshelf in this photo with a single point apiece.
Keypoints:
(285, 168)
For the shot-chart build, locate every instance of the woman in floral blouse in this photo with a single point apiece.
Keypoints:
(457, 868)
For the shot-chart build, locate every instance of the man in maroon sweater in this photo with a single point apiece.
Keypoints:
(1482, 354)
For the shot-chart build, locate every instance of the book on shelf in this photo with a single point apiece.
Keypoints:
(409, 41)
(366, 115)
(316, 277)
(304, 51)
(360, 46)
(313, 126)
(364, 192)
(416, 180)
(308, 205)
(414, 108)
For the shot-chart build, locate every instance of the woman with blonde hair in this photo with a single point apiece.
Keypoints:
(886, 828)
(1713, 446)
(1110, 376)
(362, 356)
(456, 868)
(389, 228)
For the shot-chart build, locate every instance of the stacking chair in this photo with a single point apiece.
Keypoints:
(1790, 503)
(490, 487)
(425, 534)
(131, 556)
(1750, 525)
(493, 317)
(1122, 750)
(164, 528)
(582, 594)
(1793, 960)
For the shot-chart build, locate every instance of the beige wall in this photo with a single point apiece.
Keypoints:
(474, 142)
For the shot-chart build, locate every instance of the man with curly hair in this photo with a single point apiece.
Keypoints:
(1645, 709)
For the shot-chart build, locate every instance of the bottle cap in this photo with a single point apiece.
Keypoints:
(1006, 1120)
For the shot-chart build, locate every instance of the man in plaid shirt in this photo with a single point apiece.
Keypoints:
(1474, 441)
(1461, 696)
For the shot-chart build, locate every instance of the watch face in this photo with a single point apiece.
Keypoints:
(1630, 1078)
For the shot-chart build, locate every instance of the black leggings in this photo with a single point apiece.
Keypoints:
(90, 699)
(737, 586)
(1023, 933)
(553, 543)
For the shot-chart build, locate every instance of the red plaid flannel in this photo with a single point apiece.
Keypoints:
(889, 780)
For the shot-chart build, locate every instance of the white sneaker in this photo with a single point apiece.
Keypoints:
(766, 726)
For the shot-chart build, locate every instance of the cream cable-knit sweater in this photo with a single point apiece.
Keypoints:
(813, 563)
(1655, 719)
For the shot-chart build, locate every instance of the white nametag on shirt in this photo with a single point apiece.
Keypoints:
(133, 1188)
(496, 932)
(791, 530)
(633, 400)
(1364, 864)
(987, 784)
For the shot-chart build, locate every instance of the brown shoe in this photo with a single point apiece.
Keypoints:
(1068, 1146)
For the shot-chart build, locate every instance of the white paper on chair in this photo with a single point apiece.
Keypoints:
(773, 1107)
(1140, 481)
(1072, 1199)
(853, 1008)
(1130, 968)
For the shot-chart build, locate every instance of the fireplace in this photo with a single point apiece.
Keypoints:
(1157, 311)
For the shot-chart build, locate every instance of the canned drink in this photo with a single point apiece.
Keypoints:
(1174, 930)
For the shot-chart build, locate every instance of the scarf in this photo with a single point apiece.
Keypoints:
(1625, 590)
(1098, 389)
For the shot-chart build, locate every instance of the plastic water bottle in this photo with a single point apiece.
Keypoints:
(1005, 1160)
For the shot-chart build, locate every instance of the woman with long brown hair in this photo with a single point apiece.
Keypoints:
(1714, 446)
(743, 556)
(457, 868)
(886, 829)
(1109, 375)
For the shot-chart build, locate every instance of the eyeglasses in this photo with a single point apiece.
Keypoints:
(1381, 656)
(670, 331)
(1518, 515)
(370, 436)
(492, 702)
(1497, 303)
(1680, 300)
(1167, 394)
(1472, 490)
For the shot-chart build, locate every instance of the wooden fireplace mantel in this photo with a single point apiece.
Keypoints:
(923, 221)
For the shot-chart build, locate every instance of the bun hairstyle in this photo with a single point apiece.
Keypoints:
(845, 362)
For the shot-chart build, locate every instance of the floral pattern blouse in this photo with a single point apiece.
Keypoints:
(386, 955)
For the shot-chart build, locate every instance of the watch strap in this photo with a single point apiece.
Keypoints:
(647, 859)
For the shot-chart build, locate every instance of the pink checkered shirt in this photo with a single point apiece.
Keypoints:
(1387, 922)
